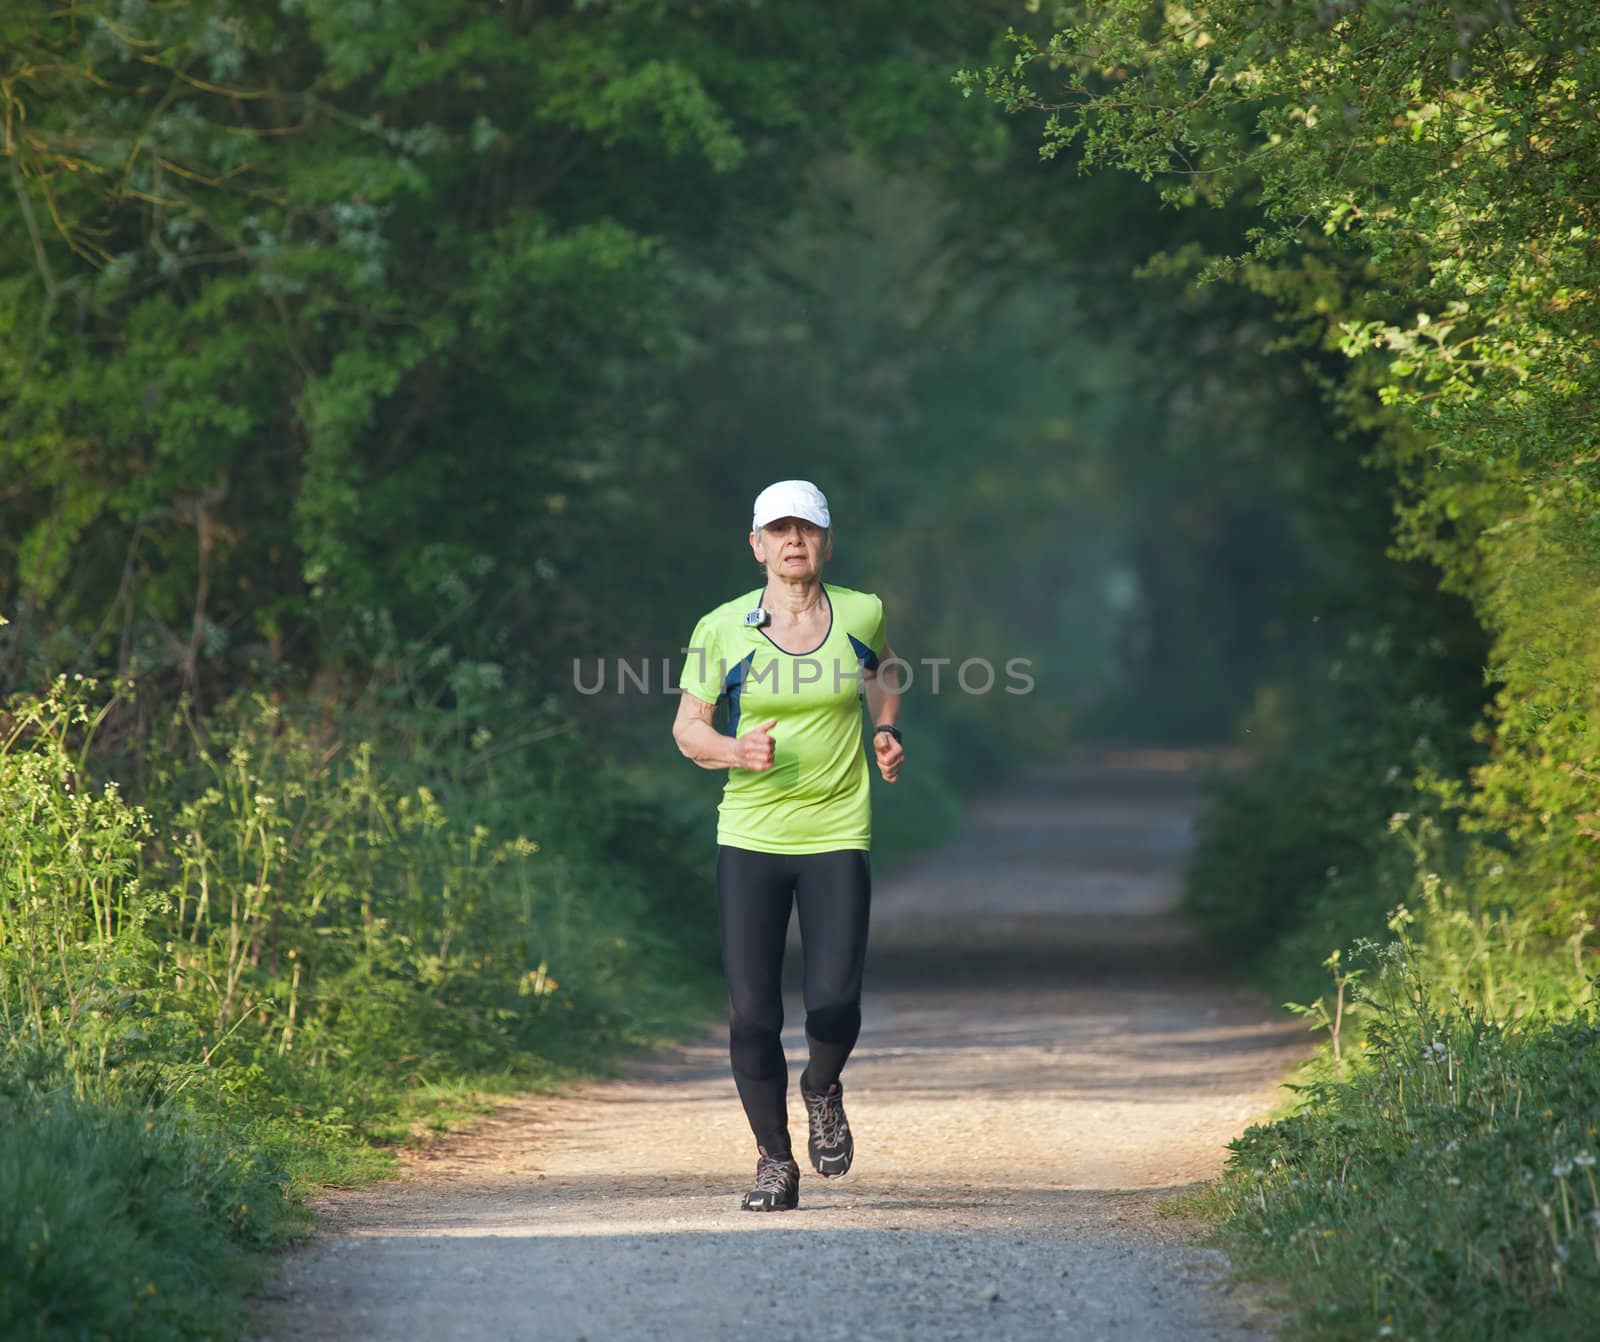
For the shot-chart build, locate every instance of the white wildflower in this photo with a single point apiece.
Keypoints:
(1562, 1168)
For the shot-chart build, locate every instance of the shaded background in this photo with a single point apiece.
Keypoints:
(432, 347)
(365, 363)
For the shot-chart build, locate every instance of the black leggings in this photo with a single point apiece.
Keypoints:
(755, 892)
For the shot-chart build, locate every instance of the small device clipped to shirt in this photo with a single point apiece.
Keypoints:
(758, 617)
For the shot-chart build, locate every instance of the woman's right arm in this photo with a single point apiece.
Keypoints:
(709, 748)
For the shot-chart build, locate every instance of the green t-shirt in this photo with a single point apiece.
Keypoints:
(815, 798)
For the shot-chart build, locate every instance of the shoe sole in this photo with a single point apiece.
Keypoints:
(769, 1206)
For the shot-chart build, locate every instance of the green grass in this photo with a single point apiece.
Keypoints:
(1441, 1184)
(129, 1222)
(252, 959)
(136, 1217)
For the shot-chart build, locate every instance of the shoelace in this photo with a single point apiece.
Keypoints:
(773, 1174)
(827, 1117)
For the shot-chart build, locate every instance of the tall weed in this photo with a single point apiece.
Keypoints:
(1444, 1186)
(295, 937)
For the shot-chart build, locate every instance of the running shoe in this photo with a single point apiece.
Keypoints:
(831, 1146)
(777, 1185)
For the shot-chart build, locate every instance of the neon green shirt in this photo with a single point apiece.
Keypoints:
(816, 797)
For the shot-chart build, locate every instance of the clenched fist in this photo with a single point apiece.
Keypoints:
(756, 748)
(890, 753)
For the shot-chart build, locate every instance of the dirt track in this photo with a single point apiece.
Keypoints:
(1045, 1056)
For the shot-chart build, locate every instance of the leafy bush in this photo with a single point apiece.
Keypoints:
(1446, 1186)
(1296, 857)
(291, 946)
(123, 1221)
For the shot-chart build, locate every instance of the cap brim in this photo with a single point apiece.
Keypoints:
(757, 523)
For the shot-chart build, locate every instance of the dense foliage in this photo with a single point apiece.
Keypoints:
(1422, 179)
(123, 1221)
(339, 329)
(1421, 175)
(1447, 1189)
(294, 945)
(367, 365)
(334, 319)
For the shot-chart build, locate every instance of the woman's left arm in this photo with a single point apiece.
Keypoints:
(883, 704)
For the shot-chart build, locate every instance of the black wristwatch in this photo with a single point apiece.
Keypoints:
(887, 727)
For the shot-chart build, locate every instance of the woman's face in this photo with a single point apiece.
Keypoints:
(791, 548)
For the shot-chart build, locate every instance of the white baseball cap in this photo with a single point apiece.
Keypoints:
(790, 498)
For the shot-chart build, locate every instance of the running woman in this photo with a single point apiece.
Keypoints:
(792, 659)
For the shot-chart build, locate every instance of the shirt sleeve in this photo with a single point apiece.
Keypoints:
(870, 651)
(701, 663)
(878, 639)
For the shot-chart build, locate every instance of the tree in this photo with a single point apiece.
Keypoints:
(1424, 179)
(329, 325)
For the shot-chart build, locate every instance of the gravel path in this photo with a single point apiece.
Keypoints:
(1046, 1055)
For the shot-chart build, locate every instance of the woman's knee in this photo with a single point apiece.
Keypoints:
(835, 1022)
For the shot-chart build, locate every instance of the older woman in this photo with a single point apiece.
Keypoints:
(792, 659)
